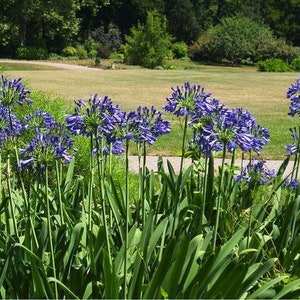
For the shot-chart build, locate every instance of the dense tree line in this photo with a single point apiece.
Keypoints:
(49, 26)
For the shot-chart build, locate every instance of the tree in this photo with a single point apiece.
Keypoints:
(148, 44)
(182, 22)
(283, 17)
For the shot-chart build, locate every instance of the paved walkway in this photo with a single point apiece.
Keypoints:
(151, 162)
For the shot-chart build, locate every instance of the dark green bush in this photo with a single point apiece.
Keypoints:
(273, 65)
(295, 64)
(31, 52)
(237, 39)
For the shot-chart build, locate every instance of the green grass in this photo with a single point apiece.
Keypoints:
(261, 93)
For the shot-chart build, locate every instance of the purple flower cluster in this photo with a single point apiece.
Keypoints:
(50, 142)
(106, 123)
(13, 91)
(291, 184)
(293, 93)
(214, 125)
(10, 126)
(256, 171)
(294, 147)
(147, 125)
(183, 100)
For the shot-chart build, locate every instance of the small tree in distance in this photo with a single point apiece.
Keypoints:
(149, 44)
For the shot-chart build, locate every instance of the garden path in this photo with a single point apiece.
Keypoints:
(151, 163)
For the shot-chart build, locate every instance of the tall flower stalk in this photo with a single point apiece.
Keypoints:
(183, 103)
(293, 94)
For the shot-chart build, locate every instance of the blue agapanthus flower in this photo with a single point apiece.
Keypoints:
(184, 99)
(294, 147)
(94, 118)
(13, 92)
(146, 125)
(10, 126)
(256, 171)
(291, 184)
(47, 146)
(293, 93)
(232, 129)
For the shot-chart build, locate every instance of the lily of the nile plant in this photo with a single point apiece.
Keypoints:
(293, 94)
(95, 120)
(10, 130)
(51, 143)
(182, 103)
(146, 125)
(256, 172)
(215, 129)
(13, 92)
(49, 148)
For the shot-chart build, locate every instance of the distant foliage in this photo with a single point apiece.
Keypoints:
(273, 65)
(29, 52)
(107, 40)
(295, 64)
(237, 39)
(148, 44)
(179, 50)
(69, 51)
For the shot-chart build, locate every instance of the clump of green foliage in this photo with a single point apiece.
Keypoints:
(273, 65)
(236, 39)
(148, 44)
(31, 52)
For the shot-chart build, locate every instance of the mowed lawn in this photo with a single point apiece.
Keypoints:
(264, 94)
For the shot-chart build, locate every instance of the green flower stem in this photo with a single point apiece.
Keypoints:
(219, 199)
(0, 185)
(100, 167)
(58, 179)
(26, 200)
(183, 143)
(10, 197)
(127, 216)
(205, 179)
(296, 165)
(50, 231)
(143, 182)
(91, 183)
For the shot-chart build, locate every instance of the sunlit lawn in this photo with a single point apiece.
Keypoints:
(261, 93)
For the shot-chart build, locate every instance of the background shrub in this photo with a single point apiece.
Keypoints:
(179, 50)
(273, 65)
(295, 64)
(69, 51)
(30, 52)
(81, 52)
(148, 45)
(237, 39)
